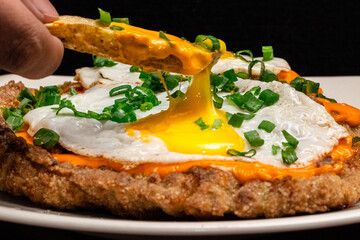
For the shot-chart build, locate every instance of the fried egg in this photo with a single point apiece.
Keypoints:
(309, 122)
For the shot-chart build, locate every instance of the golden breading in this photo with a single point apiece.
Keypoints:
(133, 45)
(9, 93)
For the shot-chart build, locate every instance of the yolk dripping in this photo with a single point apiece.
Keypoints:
(176, 126)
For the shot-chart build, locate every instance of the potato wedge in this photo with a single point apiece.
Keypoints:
(132, 45)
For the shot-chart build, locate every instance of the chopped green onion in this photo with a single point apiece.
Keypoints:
(102, 62)
(114, 27)
(218, 101)
(121, 20)
(304, 85)
(319, 95)
(252, 64)
(46, 138)
(275, 149)
(200, 122)
(216, 124)
(233, 152)
(25, 105)
(163, 36)
(268, 76)
(202, 41)
(15, 122)
(119, 90)
(252, 104)
(268, 53)
(236, 120)
(230, 74)
(355, 140)
(242, 75)
(253, 138)
(105, 17)
(256, 90)
(236, 98)
(73, 92)
(293, 142)
(247, 116)
(269, 97)
(25, 93)
(267, 126)
(177, 94)
(64, 103)
(288, 155)
(135, 69)
(238, 54)
(146, 106)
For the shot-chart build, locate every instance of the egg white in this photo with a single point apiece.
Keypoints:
(306, 120)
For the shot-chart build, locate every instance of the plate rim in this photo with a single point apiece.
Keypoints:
(175, 228)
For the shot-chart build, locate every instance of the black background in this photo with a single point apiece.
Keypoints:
(315, 37)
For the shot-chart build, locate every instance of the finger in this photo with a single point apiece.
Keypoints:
(27, 47)
(42, 9)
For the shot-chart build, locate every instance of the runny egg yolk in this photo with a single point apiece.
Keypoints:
(177, 128)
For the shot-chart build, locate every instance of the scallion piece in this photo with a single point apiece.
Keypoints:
(218, 101)
(121, 20)
(73, 92)
(146, 106)
(268, 53)
(25, 105)
(105, 17)
(236, 98)
(242, 75)
(253, 138)
(46, 138)
(135, 69)
(120, 90)
(252, 104)
(289, 155)
(15, 122)
(236, 120)
(293, 142)
(269, 97)
(268, 76)
(25, 93)
(231, 75)
(114, 27)
(216, 124)
(275, 149)
(320, 95)
(233, 152)
(355, 140)
(267, 126)
(102, 62)
(256, 90)
(252, 64)
(208, 42)
(239, 53)
(200, 122)
(163, 36)
(178, 94)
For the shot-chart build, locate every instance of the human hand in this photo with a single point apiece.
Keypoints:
(26, 46)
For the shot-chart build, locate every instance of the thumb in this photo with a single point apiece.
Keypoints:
(42, 9)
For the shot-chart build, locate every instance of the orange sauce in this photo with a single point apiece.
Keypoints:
(243, 171)
(342, 112)
(142, 44)
(287, 76)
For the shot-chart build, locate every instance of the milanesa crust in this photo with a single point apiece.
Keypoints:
(203, 193)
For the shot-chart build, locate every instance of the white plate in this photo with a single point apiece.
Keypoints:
(20, 210)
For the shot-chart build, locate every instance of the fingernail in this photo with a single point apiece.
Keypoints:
(46, 8)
